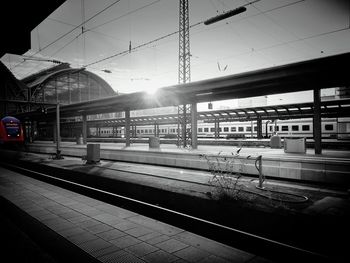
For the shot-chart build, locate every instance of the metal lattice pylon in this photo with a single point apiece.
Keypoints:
(184, 111)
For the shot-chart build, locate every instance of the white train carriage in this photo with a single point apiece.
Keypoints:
(331, 128)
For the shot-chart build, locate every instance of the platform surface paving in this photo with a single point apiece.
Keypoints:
(109, 233)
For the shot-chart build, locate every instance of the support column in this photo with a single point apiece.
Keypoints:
(134, 134)
(34, 130)
(217, 129)
(31, 135)
(184, 126)
(127, 128)
(54, 132)
(84, 131)
(116, 131)
(259, 127)
(194, 126)
(58, 128)
(317, 121)
(156, 130)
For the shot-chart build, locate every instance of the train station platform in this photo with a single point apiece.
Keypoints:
(75, 228)
(331, 167)
(326, 210)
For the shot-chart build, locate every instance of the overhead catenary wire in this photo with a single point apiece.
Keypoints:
(157, 39)
(153, 41)
(239, 19)
(70, 31)
(139, 46)
(126, 14)
(90, 29)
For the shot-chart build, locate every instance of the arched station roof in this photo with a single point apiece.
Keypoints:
(66, 85)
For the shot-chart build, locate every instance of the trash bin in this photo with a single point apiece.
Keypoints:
(93, 153)
(294, 145)
(80, 140)
(154, 142)
(275, 142)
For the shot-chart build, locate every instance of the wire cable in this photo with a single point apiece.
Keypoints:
(139, 46)
(70, 31)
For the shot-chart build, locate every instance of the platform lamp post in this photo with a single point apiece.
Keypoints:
(58, 155)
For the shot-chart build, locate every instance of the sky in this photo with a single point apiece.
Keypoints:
(269, 33)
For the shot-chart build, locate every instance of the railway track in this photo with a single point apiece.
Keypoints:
(265, 247)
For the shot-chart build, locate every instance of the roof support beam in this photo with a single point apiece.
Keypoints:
(127, 128)
(317, 121)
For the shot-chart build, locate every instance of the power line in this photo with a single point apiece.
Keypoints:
(89, 29)
(153, 41)
(261, 49)
(126, 14)
(109, 6)
(281, 44)
(139, 46)
(68, 43)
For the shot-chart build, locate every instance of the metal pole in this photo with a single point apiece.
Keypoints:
(261, 177)
(127, 128)
(259, 127)
(317, 121)
(58, 139)
(184, 126)
(194, 126)
(266, 129)
(84, 129)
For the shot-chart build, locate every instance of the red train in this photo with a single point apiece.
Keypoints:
(11, 131)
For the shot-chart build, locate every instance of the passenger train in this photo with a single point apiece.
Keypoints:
(11, 131)
(331, 128)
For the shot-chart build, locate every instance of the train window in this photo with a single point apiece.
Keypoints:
(328, 127)
(284, 128)
(295, 128)
(255, 128)
(233, 129)
(248, 128)
(212, 129)
(270, 128)
(240, 129)
(141, 131)
(219, 129)
(305, 127)
(200, 129)
(277, 128)
(225, 129)
(206, 129)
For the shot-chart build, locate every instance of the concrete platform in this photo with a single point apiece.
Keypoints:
(108, 233)
(328, 208)
(332, 167)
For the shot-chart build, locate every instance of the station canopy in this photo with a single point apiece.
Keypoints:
(329, 109)
(66, 85)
